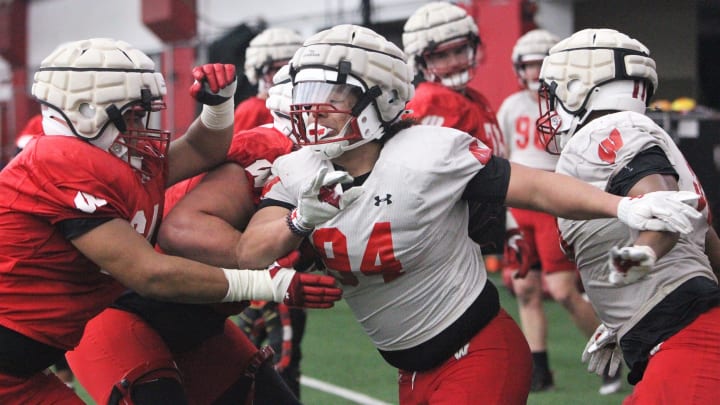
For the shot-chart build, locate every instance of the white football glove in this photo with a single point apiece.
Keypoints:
(631, 263)
(660, 211)
(602, 351)
(321, 199)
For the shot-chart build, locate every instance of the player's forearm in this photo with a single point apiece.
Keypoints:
(659, 242)
(204, 238)
(558, 195)
(210, 144)
(173, 278)
(266, 238)
(198, 151)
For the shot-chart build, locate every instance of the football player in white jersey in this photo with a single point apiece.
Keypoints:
(656, 294)
(384, 203)
(552, 270)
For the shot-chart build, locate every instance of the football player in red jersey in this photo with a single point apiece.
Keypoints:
(140, 339)
(657, 295)
(442, 44)
(384, 204)
(264, 56)
(80, 206)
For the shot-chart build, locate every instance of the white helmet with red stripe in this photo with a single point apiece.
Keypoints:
(593, 70)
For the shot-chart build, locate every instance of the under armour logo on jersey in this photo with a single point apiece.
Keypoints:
(462, 352)
(379, 200)
(88, 203)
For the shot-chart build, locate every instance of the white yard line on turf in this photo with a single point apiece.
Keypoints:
(356, 397)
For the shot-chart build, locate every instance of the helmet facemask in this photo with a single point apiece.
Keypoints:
(136, 140)
(451, 63)
(554, 123)
(317, 103)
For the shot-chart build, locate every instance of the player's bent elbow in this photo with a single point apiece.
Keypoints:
(169, 237)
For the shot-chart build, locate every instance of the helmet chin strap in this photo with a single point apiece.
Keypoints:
(52, 125)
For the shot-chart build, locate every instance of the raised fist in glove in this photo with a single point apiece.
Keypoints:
(214, 83)
(321, 199)
(660, 211)
(602, 351)
(631, 263)
(517, 253)
(301, 289)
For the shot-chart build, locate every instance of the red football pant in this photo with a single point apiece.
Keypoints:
(541, 232)
(116, 342)
(686, 369)
(494, 369)
(41, 388)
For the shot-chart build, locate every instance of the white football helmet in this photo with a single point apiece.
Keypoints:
(99, 90)
(531, 48)
(267, 52)
(441, 28)
(343, 61)
(279, 100)
(592, 70)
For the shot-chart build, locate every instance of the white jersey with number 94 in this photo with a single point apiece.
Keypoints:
(402, 250)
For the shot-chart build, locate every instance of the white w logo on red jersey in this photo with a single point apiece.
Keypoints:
(88, 203)
(462, 352)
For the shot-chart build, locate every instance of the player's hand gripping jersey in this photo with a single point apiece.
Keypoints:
(46, 196)
(599, 154)
(382, 247)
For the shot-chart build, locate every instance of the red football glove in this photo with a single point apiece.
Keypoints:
(517, 252)
(214, 83)
(301, 289)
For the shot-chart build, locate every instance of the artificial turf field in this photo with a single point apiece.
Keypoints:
(336, 351)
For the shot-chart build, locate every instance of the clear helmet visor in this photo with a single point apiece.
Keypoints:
(322, 112)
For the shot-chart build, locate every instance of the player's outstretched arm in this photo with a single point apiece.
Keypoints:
(567, 197)
(134, 263)
(206, 142)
